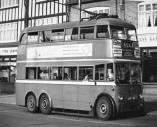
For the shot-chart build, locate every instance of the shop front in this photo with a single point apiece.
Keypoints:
(148, 44)
(7, 69)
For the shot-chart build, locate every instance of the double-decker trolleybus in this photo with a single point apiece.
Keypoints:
(88, 66)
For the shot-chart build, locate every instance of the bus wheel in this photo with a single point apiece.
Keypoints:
(104, 108)
(44, 104)
(31, 103)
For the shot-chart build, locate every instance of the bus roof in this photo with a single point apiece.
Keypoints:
(102, 21)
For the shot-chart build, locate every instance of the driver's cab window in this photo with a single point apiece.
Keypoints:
(109, 72)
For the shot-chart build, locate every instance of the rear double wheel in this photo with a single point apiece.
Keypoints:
(44, 104)
(103, 108)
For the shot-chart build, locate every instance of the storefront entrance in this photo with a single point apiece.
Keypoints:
(149, 63)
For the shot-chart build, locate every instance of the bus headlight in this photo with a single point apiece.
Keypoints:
(120, 98)
(141, 96)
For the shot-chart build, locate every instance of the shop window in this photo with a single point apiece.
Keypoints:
(4, 73)
(149, 65)
(99, 72)
(70, 73)
(102, 31)
(86, 73)
(87, 32)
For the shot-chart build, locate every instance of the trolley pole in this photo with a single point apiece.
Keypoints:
(79, 1)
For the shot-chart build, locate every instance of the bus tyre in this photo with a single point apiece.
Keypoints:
(104, 108)
(31, 103)
(44, 104)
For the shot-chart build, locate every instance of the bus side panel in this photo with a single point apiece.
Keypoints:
(20, 96)
(70, 96)
(86, 97)
(21, 52)
(21, 73)
(55, 91)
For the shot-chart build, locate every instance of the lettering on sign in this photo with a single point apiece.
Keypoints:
(8, 51)
(147, 40)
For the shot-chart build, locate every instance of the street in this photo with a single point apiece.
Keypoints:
(15, 116)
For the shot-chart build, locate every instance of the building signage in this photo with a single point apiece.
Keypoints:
(8, 51)
(147, 40)
(57, 51)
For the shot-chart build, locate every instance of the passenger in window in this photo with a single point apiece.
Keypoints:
(87, 78)
(59, 77)
(110, 75)
(101, 76)
(66, 77)
(55, 76)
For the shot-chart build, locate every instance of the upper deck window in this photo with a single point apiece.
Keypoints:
(118, 32)
(57, 35)
(48, 35)
(41, 37)
(102, 31)
(68, 32)
(131, 34)
(87, 32)
(75, 33)
(32, 37)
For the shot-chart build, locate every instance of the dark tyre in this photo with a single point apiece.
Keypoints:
(44, 104)
(104, 108)
(31, 103)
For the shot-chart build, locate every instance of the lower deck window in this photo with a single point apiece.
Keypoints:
(31, 73)
(86, 73)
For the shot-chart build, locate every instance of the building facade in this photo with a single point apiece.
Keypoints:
(15, 15)
(147, 34)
